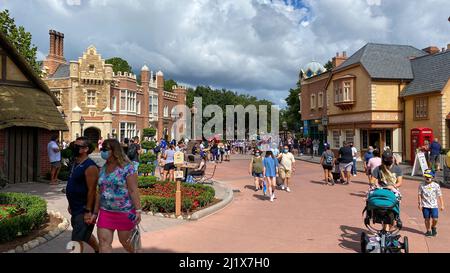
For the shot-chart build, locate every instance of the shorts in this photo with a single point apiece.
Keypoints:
(259, 175)
(56, 164)
(285, 173)
(169, 166)
(430, 213)
(113, 220)
(81, 231)
(434, 159)
(326, 167)
(346, 167)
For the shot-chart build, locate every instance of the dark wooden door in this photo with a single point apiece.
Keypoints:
(21, 155)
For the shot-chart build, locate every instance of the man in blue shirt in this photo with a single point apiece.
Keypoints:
(435, 151)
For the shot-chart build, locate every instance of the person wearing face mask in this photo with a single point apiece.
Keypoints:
(256, 170)
(81, 194)
(118, 201)
(287, 167)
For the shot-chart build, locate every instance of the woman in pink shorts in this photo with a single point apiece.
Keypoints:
(118, 203)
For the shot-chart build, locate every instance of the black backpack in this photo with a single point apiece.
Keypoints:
(132, 151)
(328, 159)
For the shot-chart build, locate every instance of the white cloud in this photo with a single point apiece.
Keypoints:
(254, 46)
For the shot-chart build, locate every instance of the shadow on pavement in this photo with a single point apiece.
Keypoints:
(412, 230)
(261, 197)
(364, 195)
(318, 182)
(360, 182)
(351, 238)
(250, 187)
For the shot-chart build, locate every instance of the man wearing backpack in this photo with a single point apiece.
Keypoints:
(133, 152)
(327, 161)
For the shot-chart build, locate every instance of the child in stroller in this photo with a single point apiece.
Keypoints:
(337, 178)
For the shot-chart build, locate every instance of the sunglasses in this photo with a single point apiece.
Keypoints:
(81, 146)
(104, 149)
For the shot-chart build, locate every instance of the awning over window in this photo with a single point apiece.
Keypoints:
(29, 107)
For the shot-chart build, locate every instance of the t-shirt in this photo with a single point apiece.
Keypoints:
(326, 155)
(367, 156)
(286, 161)
(114, 195)
(354, 152)
(77, 189)
(52, 155)
(346, 155)
(435, 148)
(395, 170)
(271, 165)
(373, 163)
(170, 154)
(429, 193)
(134, 149)
(257, 164)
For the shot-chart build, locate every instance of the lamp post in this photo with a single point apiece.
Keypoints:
(284, 124)
(82, 122)
(178, 180)
(63, 115)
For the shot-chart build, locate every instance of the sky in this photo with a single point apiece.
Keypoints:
(255, 47)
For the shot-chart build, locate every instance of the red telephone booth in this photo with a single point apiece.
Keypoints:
(418, 137)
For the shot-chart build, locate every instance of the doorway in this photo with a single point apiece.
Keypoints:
(93, 134)
(375, 140)
(21, 154)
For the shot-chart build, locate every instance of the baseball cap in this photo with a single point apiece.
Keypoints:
(387, 155)
(428, 173)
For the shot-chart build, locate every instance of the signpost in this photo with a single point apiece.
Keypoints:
(419, 161)
(178, 162)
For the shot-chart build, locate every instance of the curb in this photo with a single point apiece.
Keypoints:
(202, 213)
(45, 238)
(213, 209)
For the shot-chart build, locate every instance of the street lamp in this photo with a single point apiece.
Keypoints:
(63, 115)
(285, 126)
(82, 122)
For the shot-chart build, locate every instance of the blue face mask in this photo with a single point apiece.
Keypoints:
(286, 151)
(104, 155)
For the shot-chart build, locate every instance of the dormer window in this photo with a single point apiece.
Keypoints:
(91, 68)
(344, 90)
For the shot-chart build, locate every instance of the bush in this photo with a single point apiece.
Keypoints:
(148, 145)
(146, 169)
(149, 132)
(147, 158)
(34, 216)
(66, 153)
(146, 181)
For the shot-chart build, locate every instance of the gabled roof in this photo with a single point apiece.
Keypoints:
(385, 61)
(33, 106)
(431, 74)
(63, 71)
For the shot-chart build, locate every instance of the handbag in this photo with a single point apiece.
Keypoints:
(135, 239)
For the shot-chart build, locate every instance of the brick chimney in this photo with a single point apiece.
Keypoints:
(56, 52)
(431, 50)
(339, 59)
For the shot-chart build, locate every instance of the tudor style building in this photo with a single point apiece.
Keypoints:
(111, 105)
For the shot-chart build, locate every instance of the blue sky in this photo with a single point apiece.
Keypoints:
(251, 46)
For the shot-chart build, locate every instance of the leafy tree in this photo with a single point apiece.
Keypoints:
(168, 85)
(20, 38)
(329, 65)
(119, 64)
(291, 115)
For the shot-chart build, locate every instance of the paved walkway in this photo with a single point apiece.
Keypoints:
(312, 218)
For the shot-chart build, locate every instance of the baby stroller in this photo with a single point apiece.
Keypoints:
(337, 173)
(383, 207)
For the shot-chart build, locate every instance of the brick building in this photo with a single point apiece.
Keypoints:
(28, 118)
(111, 105)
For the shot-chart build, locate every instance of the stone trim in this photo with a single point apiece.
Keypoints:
(46, 238)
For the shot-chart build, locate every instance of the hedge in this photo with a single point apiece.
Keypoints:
(147, 158)
(35, 216)
(149, 132)
(148, 145)
(162, 204)
(146, 169)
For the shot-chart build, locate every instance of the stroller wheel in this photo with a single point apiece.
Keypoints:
(406, 244)
(363, 242)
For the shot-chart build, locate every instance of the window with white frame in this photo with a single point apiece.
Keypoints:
(153, 104)
(138, 107)
(127, 101)
(336, 143)
(91, 97)
(127, 130)
(320, 100)
(347, 91)
(349, 136)
(58, 94)
(313, 101)
(166, 111)
(113, 103)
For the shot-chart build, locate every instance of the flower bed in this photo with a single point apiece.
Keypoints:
(159, 196)
(21, 213)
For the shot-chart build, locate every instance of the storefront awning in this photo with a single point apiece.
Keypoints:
(29, 107)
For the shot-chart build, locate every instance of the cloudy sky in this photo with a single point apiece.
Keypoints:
(251, 46)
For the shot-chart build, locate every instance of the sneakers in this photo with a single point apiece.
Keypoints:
(433, 231)
(282, 187)
(288, 190)
(272, 197)
(429, 234)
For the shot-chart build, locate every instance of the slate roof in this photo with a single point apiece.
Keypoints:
(385, 61)
(431, 73)
(63, 71)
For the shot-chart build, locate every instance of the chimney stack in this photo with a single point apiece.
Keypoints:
(339, 59)
(431, 50)
(56, 52)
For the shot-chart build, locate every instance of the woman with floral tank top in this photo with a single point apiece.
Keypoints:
(118, 202)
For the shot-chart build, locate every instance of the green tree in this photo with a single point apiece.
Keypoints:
(20, 38)
(168, 85)
(291, 115)
(329, 65)
(119, 64)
